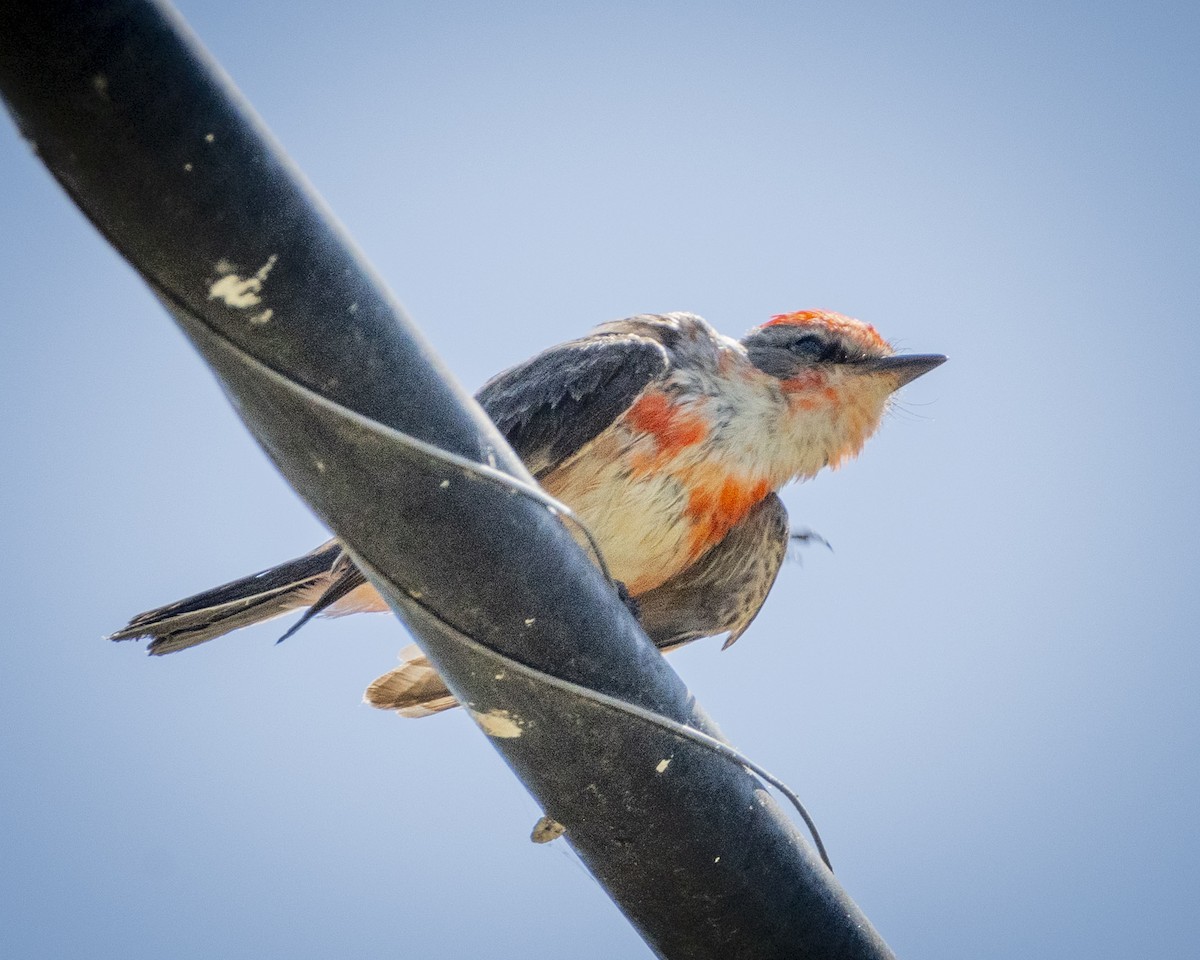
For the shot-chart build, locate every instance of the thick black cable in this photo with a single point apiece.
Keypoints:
(434, 453)
(132, 116)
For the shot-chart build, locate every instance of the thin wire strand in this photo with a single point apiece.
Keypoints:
(663, 722)
(429, 450)
(501, 478)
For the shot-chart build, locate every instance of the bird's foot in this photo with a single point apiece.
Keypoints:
(805, 538)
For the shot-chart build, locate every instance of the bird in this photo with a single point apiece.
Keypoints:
(667, 440)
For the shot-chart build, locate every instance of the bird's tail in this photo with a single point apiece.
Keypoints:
(317, 581)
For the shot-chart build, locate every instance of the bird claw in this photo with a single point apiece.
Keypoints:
(807, 538)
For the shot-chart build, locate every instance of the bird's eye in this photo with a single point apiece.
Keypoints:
(809, 345)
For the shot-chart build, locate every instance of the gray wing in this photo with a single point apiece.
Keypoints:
(723, 590)
(549, 407)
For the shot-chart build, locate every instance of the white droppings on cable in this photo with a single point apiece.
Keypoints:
(239, 292)
(547, 829)
(498, 723)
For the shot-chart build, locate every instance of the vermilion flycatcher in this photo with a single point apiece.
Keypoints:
(667, 440)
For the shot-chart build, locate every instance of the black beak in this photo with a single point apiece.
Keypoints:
(905, 368)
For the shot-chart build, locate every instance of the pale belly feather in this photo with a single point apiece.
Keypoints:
(639, 523)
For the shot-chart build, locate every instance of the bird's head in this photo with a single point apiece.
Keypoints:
(837, 374)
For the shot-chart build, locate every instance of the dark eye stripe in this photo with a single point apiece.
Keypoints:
(809, 345)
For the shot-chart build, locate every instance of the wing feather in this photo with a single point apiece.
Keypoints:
(551, 406)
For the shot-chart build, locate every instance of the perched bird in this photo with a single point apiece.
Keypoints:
(667, 440)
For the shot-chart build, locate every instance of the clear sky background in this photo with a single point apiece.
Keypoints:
(986, 694)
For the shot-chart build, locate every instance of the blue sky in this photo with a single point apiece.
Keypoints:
(985, 694)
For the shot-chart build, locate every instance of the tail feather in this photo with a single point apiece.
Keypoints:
(413, 689)
(253, 599)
